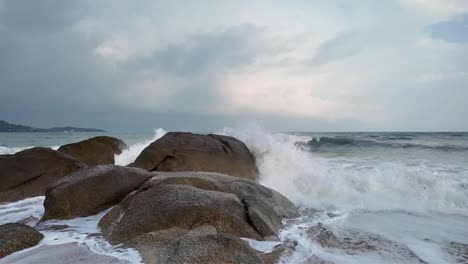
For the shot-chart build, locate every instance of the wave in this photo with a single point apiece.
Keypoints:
(330, 142)
(12, 150)
(314, 181)
(131, 153)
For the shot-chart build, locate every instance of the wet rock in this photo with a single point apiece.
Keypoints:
(29, 172)
(164, 206)
(274, 256)
(242, 188)
(353, 242)
(190, 199)
(96, 150)
(326, 238)
(92, 190)
(195, 246)
(459, 251)
(15, 237)
(263, 217)
(180, 151)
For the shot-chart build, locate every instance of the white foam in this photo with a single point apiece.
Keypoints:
(83, 231)
(131, 153)
(427, 236)
(30, 208)
(13, 150)
(262, 246)
(316, 181)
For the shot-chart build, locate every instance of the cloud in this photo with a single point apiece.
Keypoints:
(319, 64)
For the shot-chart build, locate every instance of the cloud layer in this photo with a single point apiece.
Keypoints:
(297, 65)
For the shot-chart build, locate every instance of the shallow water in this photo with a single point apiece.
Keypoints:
(402, 195)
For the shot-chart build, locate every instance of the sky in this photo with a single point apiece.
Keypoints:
(300, 65)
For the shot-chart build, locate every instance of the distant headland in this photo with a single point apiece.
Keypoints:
(8, 127)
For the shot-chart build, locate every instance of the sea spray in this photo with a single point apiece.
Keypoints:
(415, 197)
(354, 182)
(131, 153)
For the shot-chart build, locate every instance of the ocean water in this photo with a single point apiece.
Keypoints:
(364, 197)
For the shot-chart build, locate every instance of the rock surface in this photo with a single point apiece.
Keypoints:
(165, 206)
(359, 242)
(180, 151)
(92, 190)
(192, 199)
(15, 237)
(459, 251)
(96, 150)
(29, 172)
(200, 245)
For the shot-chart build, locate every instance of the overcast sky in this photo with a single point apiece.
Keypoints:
(200, 65)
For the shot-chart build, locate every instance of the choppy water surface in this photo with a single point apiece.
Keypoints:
(364, 197)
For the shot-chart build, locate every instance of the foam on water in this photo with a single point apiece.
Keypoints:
(131, 153)
(29, 211)
(7, 150)
(409, 202)
(262, 246)
(311, 180)
(83, 231)
(420, 204)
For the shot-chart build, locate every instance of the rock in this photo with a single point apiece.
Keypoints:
(263, 217)
(15, 237)
(193, 246)
(92, 190)
(166, 206)
(274, 256)
(29, 172)
(96, 150)
(353, 242)
(224, 183)
(191, 199)
(459, 251)
(180, 151)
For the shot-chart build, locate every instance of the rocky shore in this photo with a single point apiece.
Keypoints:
(187, 198)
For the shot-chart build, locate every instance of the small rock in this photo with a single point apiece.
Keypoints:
(15, 237)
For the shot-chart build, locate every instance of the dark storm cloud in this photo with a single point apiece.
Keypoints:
(205, 52)
(123, 65)
(49, 72)
(36, 17)
(198, 62)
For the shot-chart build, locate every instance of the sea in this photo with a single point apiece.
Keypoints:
(386, 197)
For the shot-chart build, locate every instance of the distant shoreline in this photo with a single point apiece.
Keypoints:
(6, 127)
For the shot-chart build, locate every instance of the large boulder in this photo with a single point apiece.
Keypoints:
(29, 172)
(15, 237)
(164, 206)
(198, 246)
(245, 190)
(192, 199)
(92, 190)
(181, 151)
(96, 150)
